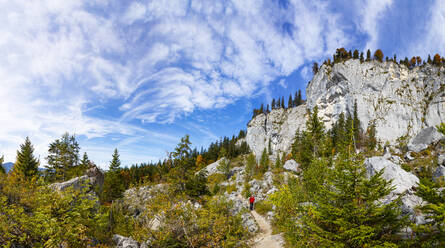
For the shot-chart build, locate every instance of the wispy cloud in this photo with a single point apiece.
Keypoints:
(150, 61)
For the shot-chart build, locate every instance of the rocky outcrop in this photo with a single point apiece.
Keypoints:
(94, 177)
(240, 207)
(291, 165)
(213, 167)
(404, 184)
(278, 127)
(398, 100)
(428, 136)
(135, 199)
(124, 242)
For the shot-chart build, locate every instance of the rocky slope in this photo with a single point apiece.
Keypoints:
(398, 100)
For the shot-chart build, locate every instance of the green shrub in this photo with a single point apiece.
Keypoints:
(231, 188)
(262, 207)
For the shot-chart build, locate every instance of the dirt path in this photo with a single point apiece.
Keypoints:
(265, 239)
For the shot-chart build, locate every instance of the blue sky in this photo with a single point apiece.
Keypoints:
(138, 75)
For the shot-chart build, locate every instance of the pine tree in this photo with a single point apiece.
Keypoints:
(315, 68)
(355, 56)
(267, 109)
(278, 164)
(290, 102)
(113, 187)
(26, 165)
(115, 163)
(371, 139)
(429, 61)
(368, 55)
(273, 103)
(356, 123)
(250, 165)
(432, 232)
(63, 155)
(347, 211)
(2, 170)
(300, 99)
(264, 162)
(361, 57)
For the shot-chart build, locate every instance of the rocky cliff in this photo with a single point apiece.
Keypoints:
(398, 100)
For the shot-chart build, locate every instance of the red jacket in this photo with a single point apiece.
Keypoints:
(252, 199)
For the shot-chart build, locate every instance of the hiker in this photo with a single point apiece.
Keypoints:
(251, 200)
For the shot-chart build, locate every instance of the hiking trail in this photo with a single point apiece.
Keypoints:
(264, 239)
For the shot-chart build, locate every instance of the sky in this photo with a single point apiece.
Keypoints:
(139, 75)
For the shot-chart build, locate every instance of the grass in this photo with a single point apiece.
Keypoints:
(262, 207)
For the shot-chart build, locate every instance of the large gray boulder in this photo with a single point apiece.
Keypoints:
(76, 183)
(124, 242)
(291, 165)
(213, 167)
(401, 179)
(439, 173)
(424, 138)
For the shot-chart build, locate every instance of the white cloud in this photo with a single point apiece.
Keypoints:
(157, 60)
(433, 41)
(370, 12)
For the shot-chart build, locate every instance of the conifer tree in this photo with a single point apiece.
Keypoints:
(273, 103)
(278, 164)
(361, 57)
(368, 55)
(432, 232)
(355, 56)
(26, 165)
(250, 165)
(378, 55)
(63, 155)
(264, 162)
(267, 109)
(282, 102)
(356, 123)
(429, 61)
(115, 163)
(113, 187)
(347, 211)
(300, 99)
(371, 139)
(2, 170)
(290, 102)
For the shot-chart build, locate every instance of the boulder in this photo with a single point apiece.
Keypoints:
(439, 173)
(76, 183)
(212, 168)
(424, 138)
(291, 165)
(441, 159)
(401, 179)
(124, 242)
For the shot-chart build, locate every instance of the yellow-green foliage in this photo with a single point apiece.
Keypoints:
(216, 178)
(231, 188)
(31, 215)
(183, 225)
(262, 207)
(441, 128)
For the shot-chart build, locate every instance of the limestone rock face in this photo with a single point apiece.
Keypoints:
(424, 138)
(398, 100)
(401, 179)
(279, 126)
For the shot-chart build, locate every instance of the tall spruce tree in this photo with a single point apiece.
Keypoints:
(290, 103)
(26, 165)
(113, 187)
(356, 123)
(63, 156)
(264, 162)
(115, 163)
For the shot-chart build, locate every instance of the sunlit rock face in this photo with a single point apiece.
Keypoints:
(279, 126)
(398, 100)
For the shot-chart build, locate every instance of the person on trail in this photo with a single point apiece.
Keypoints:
(251, 200)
